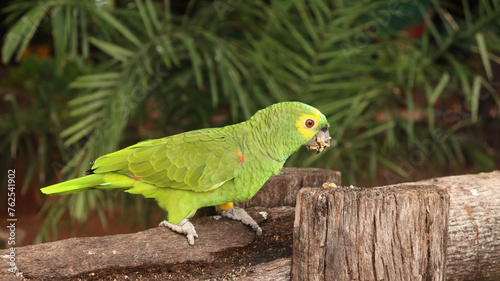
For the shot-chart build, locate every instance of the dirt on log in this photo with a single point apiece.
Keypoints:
(396, 233)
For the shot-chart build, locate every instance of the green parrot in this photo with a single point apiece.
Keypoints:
(207, 167)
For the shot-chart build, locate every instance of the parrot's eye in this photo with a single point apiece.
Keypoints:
(310, 123)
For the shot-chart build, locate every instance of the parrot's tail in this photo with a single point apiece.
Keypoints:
(101, 181)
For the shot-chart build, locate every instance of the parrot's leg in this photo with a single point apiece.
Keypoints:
(184, 227)
(241, 215)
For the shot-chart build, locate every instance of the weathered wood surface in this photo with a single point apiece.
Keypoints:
(474, 226)
(277, 270)
(156, 247)
(396, 233)
(74, 256)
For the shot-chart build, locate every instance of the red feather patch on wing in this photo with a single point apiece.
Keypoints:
(135, 177)
(241, 158)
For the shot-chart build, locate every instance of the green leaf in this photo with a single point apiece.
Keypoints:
(307, 21)
(19, 36)
(443, 82)
(90, 97)
(73, 138)
(127, 33)
(483, 52)
(145, 18)
(298, 36)
(211, 78)
(153, 15)
(101, 80)
(195, 58)
(476, 88)
(113, 50)
(84, 123)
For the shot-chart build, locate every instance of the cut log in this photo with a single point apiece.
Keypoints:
(155, 252)
(75, 256)
(396, 233)
(98, 257)
(474, 228)
(282, 189)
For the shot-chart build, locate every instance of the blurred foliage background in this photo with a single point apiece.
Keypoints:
(409, 87)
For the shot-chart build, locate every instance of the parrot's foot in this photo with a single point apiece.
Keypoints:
(241, 215)
(184, 227)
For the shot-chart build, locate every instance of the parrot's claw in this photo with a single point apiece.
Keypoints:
(184, 227)
(241, 215)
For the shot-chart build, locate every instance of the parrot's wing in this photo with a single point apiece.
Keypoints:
(199, 160)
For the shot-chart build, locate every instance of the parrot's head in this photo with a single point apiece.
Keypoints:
(293, 124)
(313, 126)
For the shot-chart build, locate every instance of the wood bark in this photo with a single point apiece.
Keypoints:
(276, 270)
(396, 233)
(75, 256)
(474, 227)
(98, 258)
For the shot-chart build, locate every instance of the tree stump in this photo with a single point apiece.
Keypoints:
(397, 233)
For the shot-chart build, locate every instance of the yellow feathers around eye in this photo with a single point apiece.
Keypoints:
(307, 132)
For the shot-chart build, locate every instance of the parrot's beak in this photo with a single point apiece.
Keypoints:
(320, 141)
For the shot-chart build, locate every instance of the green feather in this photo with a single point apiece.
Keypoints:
(75, 185)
